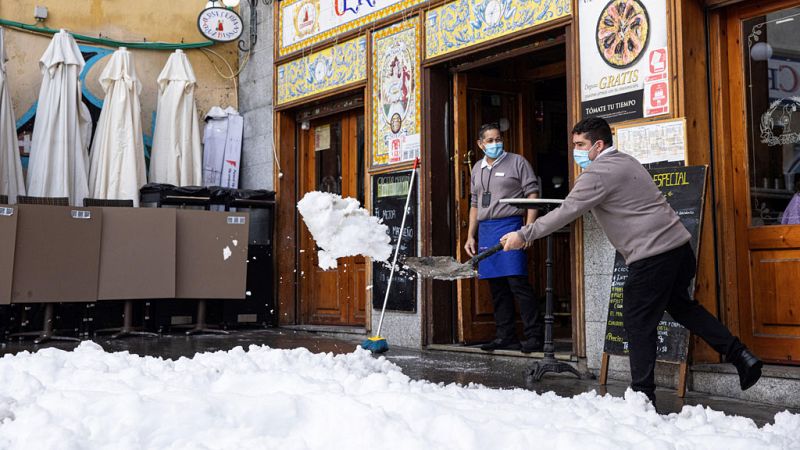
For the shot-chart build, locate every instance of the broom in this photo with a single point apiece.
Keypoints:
(377, 344)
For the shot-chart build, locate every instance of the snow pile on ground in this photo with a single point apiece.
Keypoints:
(342, 227)
(293, 399)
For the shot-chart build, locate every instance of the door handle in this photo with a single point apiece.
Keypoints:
(468, 159)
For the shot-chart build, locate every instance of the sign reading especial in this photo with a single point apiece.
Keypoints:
(624, 58)
(306, 22)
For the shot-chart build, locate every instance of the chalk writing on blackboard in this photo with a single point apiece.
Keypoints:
(389, 199)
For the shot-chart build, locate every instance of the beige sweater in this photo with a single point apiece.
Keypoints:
(626, 202)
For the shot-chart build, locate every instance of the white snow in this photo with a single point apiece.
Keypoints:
(342, 228)
(293, 399)
(226, 253)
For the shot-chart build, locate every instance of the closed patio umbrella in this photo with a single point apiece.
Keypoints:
(117, 170)
(59, 162)
(176, 156)
(11, 178)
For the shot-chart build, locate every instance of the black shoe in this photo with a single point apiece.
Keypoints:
(749, 367)
(533, 344)
(500, 344)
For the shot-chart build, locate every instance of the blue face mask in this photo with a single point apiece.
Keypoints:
(581, 158)
(493, 150)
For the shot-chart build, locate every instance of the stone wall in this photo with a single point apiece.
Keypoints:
(255, 101)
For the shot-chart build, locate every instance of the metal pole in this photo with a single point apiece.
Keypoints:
(549, 347)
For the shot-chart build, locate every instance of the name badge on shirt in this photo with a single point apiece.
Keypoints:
(500, 174)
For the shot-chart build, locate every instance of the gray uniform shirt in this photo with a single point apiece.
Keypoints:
(511, 176)
(626, 202)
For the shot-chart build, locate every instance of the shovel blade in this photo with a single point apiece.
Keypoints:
(440, 267)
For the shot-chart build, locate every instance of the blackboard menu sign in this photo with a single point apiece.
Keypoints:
(389, 193)
(684, 189)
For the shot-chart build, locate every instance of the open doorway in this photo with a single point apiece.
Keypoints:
(526, 93)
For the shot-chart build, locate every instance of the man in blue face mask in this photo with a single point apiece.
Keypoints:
(503, 175)
(647, 232)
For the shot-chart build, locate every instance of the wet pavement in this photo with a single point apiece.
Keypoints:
(503, 372)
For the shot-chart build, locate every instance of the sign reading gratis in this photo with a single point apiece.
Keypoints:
(624, 59)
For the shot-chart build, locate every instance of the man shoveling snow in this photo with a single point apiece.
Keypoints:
(341, 227)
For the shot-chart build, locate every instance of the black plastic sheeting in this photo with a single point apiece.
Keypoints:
(215, 195)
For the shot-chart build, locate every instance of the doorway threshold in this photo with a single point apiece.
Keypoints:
(460, 348)
(334, 329)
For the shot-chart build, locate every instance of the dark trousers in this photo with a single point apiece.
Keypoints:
(504, 289)
(657, 284)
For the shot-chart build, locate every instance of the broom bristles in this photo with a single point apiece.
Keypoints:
(375, 344)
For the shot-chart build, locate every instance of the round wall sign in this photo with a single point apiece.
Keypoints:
(220, 24)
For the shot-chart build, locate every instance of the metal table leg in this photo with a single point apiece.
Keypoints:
(549, 363)
(47, 333)
(201, 326)
(127, 328)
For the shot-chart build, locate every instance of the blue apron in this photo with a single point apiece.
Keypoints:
(501, 264)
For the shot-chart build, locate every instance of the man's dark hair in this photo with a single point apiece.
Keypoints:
(486, 127)
(596, 129)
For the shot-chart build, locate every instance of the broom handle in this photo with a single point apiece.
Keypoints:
(397, 247)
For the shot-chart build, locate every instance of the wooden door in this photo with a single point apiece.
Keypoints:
(332, 160)
(764, 63)
(478, 100)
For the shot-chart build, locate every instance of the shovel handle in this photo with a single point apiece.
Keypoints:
(485, 254)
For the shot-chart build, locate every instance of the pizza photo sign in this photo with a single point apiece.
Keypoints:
(624, 67)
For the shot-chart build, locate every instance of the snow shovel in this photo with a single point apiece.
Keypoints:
(447, 268)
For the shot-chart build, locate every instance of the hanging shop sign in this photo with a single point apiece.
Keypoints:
(306, 22)
(624, 58)
(395, 93)
(464, 23)
(323, 71)
(220, 24)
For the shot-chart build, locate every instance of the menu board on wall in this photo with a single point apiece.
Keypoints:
(624, 59)
(395, 93)
(389, 192)
(684, 189)
(663, 141)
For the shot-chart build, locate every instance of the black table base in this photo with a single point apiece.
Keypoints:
(549, 363)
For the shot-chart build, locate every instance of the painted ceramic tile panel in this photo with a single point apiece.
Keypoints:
(323, 71)
(303, 23)
(464, 23)
(395, 93)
